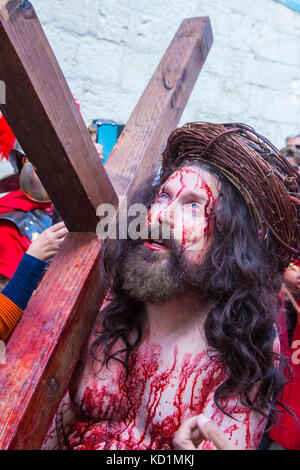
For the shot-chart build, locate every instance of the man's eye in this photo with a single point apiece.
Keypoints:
(162, 197)
(195, 206)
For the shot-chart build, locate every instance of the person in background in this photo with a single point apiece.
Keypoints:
(286, 434)
(93, 133)
(15, 296)
(24, 214)
(291, 279)
(293, 141)
(292, 151)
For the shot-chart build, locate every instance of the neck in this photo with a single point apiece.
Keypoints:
(175, 318)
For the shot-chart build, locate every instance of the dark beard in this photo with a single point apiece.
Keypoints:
(156, 277)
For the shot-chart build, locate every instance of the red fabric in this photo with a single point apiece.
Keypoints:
(7, 138)
(287, 433)
(18, 200)
(12, 248)
(12, 244)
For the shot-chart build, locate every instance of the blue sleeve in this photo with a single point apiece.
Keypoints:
(25, 280)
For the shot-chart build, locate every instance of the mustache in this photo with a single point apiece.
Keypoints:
(175, 254)
(159, 232)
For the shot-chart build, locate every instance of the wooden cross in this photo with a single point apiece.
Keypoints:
(45, 346)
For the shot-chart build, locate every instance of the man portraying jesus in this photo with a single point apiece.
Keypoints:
(190, 325)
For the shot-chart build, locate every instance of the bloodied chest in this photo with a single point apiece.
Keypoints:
(144, 409)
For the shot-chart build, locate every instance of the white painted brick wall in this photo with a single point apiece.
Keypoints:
(108, 50)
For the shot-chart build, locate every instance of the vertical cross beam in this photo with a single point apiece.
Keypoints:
(46, 121)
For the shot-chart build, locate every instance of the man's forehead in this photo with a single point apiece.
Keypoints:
(193, 178)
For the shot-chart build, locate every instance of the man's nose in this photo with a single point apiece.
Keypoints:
(167, 215)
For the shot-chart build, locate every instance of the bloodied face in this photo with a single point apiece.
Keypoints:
(183, 207)
(180, 230)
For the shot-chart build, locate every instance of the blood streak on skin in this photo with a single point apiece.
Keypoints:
(210, 201)
(157, 386)
(242, 411)
(113, 415)
(230, 430)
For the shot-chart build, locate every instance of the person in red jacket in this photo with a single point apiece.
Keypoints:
(18, 291)
(286, 433)
(24, 213)
(14, 242)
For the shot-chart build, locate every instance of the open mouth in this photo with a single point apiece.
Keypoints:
(157, 244)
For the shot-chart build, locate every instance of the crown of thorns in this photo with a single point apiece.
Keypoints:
(255, 167)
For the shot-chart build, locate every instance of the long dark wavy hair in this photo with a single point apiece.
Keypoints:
(242, 282)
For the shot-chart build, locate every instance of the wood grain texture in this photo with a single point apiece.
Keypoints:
(138, 149)
(43, 114)
(45, 346)
(9, 183)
